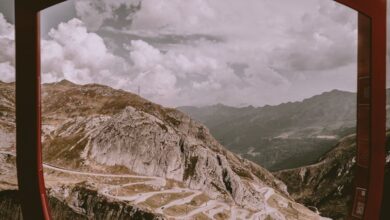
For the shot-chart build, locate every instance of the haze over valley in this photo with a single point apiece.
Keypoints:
(284, 136)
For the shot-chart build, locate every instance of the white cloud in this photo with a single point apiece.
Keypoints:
(282, 43)
(7, 72)
(279, 42)
(7, 50)
(144, 55)
(188, 76)
(173, 14)
(80, 56)
(281, 47)
(325, 39)
(6, 29)
(156, 79)
(164, 77)
(95, 12)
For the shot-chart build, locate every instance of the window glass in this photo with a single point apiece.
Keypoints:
(199, 109)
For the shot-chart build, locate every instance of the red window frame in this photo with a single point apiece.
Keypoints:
(371, 109)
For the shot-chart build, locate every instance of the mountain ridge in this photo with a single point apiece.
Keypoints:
(267, 105)
(282, 136)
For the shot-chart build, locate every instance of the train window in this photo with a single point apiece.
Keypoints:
(196, 109)
(276, 88)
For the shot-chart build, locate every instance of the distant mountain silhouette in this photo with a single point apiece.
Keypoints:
(284, 136)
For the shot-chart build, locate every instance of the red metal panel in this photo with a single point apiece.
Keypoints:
(359, 203)
(364, 91)
(42, 4)
(28, 110)
(378, 109)
(372, 77)
(362, 180)
(28, 121)
(363, 117)
(363, 153)
(358, 5)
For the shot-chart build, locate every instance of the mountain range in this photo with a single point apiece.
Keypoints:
(285, 136)
(110, 154)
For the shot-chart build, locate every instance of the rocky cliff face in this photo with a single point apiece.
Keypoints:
(327, 184)
(169, 161)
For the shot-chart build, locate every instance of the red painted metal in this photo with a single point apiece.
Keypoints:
(32, 192)
(29, 162)
(371, 108)
(43, 4)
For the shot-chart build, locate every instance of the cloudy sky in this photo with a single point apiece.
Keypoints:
(196, 52)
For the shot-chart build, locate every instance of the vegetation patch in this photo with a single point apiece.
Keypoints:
(190, 168)
(162, 126)
(181, 144)
(200, 216)
(172, 120)
(164, 198)
(222, 191)
(242, 172)
(69, 148)
(201, 133)
(132, 190)
(222, 216)
(227, 181)
(199, 200)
